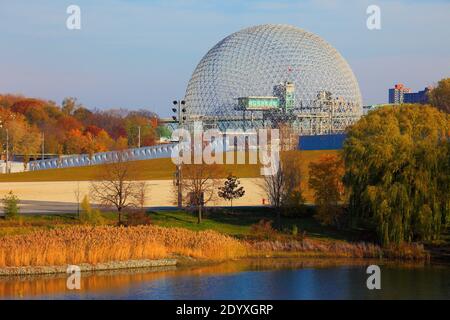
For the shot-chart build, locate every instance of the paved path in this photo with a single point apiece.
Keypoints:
(59, 197)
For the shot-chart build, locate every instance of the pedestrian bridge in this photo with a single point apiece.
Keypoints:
(145, 153)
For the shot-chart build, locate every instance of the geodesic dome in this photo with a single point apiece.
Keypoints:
(254, 60)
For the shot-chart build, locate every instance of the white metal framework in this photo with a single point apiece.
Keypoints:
(253, 61)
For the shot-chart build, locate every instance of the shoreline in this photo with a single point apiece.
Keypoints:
(87, 267)
(96, 248)
(181, 262)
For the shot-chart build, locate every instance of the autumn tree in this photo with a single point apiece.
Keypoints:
(32, 109)
(70, 105)
(397, 171)
(440, 96)
(325, 179)
(136, 123)
(24, 138)
(72, 128)
(231, 190)
(76, 142)
(199, 183)
(116, 185)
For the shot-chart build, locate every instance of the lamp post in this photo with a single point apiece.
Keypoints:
(43, 146)
(180, 109)
(7, 150)
(139, 133)
(7, 147)
(139, 136)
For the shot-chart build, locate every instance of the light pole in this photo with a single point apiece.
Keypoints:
(139, 136)
(180, 109)
(43, 146)
(7, 147)
(7, 150)
(139, 133)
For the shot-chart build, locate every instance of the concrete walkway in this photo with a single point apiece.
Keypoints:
(59, 197)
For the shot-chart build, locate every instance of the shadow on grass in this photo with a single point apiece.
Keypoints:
(239, 220)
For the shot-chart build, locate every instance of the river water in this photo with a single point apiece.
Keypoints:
(244, 279)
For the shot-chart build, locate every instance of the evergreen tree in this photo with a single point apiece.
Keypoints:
(11, 205)
(231, 190)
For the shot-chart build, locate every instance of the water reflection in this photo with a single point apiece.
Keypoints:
(244, 279)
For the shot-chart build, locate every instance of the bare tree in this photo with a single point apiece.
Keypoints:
(116, 185)
(141, 195)
(199, 183)
(274, 187)
(77, 195)
(284, 187)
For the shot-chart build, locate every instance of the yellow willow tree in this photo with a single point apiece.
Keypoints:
(440, 96)
(397, 170)
(24, 139)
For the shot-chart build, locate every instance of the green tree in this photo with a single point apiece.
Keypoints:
(440, 96)
(10, 205)
(397, 169)
(163, 132)
(89, 215)
(231, 190)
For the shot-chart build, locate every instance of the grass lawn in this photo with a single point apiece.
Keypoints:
(155, 169)
(239, 223)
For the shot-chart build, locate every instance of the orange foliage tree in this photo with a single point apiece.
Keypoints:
(325, 178)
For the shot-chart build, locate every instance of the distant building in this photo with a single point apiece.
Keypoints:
(283, 98)
(400, 94)
(286, 95)
(397, 94)
(417, 97)
(322, 142)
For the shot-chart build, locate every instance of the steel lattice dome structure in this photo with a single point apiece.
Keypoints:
(268, 74)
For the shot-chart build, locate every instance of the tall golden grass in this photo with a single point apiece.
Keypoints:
(338, 249)
(83, 244)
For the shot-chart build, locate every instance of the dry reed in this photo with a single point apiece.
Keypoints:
(82, 244)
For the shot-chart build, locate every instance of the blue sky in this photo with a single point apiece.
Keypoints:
(141, 54)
